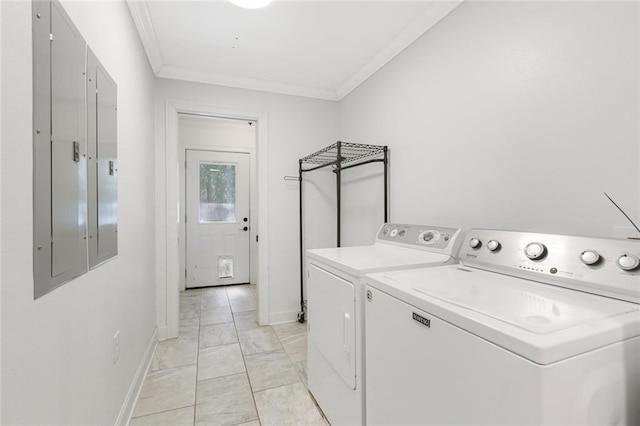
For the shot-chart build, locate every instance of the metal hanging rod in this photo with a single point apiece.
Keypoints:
(297, 178)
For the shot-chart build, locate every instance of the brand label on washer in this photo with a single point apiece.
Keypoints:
(422, 320)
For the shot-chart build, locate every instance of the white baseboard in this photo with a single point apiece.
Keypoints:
(282, 317)
(126, 411)
(162, 333)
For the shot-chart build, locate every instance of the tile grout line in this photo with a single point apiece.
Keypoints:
(161, 412)
(195, 393)
(244, 361)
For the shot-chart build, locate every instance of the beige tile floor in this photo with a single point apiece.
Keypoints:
(224, 369)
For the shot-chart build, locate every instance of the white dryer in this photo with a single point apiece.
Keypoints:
(529, 329)
(335, 309)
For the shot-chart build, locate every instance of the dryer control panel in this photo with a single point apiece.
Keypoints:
(434, 238)
(609, 267)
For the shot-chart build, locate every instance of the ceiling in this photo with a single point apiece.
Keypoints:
(321, 49)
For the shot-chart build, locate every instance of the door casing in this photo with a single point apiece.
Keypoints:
(167, 199)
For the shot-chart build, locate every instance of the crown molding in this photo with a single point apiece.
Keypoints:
(142, 20)
(195, 76)
(434, 13)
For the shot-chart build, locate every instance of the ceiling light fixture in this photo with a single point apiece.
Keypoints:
(251, 4)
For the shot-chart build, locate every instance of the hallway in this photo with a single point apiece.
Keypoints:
(224, 369)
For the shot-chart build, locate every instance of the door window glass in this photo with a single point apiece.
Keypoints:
(217, 192)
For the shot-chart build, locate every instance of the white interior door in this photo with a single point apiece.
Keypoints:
(217, 218)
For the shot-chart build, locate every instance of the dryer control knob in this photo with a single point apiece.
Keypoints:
(628, 262)
(535, 251)
(474, 243)
(589, 257)
(493, 245)
(429, 237)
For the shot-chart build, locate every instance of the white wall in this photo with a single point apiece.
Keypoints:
(57, 351)
(513, 115)
(296, 127)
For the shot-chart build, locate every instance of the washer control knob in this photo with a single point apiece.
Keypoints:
(493, 245)
(474, 243)
(589, 257)
(628, 262)
(535, 251)
(429, 237)
(393, 233)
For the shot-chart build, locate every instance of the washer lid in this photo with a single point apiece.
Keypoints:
(358, 261)
(538, 321)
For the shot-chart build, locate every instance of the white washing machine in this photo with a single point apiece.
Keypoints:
(529, 329)
(335, 311)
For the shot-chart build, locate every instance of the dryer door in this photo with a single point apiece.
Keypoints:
(331, 309)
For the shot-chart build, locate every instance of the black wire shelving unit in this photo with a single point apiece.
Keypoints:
(339, 156)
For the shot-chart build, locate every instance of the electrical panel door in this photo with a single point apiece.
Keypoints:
(68, 145)
(60, 148)
(107, 166)
(102, 123)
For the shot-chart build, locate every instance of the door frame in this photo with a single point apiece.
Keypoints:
(253, 210)
(167, 244)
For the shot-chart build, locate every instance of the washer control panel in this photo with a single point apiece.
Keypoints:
(610, 267)
(429, 237)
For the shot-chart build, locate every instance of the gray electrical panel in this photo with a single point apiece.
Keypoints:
(59, 149)
(102, 152)
(62, 119)
(68, 148)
